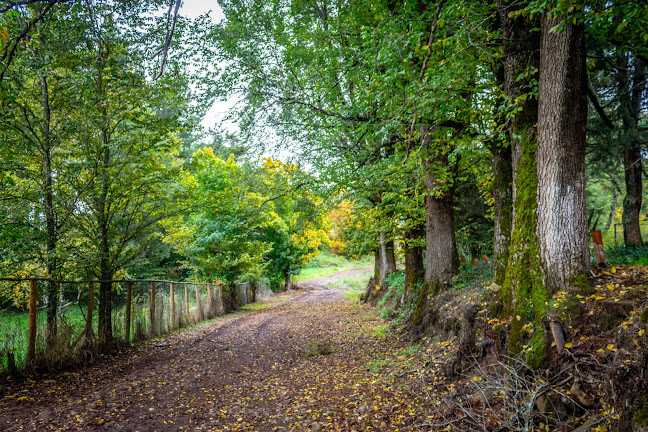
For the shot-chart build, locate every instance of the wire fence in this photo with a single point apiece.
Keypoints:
(141, 309)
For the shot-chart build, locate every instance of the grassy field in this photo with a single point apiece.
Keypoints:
(354, 286)
(72, 319)
(327, 264)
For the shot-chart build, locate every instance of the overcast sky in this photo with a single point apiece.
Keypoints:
(193, 9)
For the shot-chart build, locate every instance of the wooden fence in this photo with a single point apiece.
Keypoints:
(142, 308)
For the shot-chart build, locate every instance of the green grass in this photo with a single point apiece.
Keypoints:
(354, 285)
(255, 306)
(327, 264)
(14, 336)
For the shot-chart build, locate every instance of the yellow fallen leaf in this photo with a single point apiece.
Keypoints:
(569, 345)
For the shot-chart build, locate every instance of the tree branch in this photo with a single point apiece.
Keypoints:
(599, 108)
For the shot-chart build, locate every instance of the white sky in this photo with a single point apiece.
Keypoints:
(216, 114)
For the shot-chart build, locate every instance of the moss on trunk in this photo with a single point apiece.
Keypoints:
(524, 295)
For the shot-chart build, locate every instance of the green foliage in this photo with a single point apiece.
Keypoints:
(396, 284)
(249, 221)
(472, 275)
(631, 255)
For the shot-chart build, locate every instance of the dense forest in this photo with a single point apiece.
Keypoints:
(462, 145)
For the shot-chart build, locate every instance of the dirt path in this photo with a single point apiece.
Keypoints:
(263, 370)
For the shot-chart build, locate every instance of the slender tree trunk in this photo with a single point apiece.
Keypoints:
(288, 281)
(562, 117)
(632, 160)
(105, 268)
(441, 261)
(51, 264)
(613, 207)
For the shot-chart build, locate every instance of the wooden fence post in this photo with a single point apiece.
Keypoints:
(597, 239)
(220, 299)
(172, 299)
(90, 311)
(186, 287)
(129, 299)
(31, 347)
(198, 305)
(152, 310)
(210, 301)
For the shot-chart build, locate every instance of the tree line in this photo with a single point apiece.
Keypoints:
(105, 172)
(505, 127)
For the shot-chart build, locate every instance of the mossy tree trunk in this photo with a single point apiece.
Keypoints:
(414, 270)
(502, 189)
(562, 118)
(523, 290)
(382, 272)
(377, 270)
(502, 208)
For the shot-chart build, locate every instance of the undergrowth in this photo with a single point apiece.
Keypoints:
(630, 255)
(472, 275)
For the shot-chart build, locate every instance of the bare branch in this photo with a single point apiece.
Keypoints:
(164, 50)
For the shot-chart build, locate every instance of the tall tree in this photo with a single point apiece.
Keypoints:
(521, 43)
(562, 112)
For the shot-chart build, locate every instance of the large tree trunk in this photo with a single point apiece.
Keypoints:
(441, 261)
(390, 256)
(377, 265)
(523, 278)
(632, 163)
(383, 259)
(562, 118)
(414, 270)
(502, 188)
(632, 160)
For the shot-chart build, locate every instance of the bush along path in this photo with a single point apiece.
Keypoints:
(313, 360)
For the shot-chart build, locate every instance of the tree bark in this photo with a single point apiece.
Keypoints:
(632, 160)
(51, 264)
(383, 258)
(441, 261)
(523, 276)
(390, 256)
(562, 117)
(105, 268)
(502, 188)
(502, 209)
(414, 269)
(288, 281)
(632, 163)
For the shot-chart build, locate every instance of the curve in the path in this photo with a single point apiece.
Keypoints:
(252, 372)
